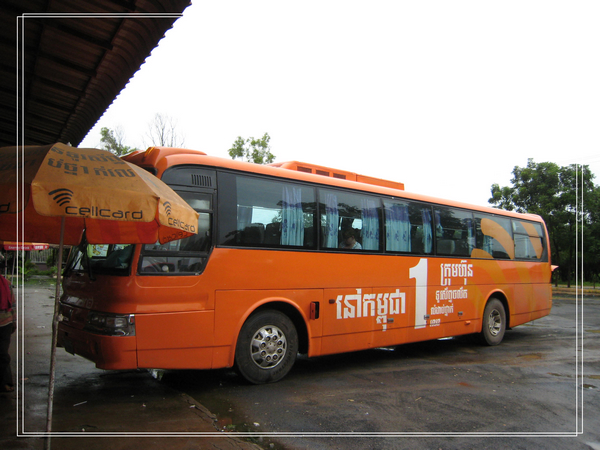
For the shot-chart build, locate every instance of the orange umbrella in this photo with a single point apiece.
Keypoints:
(53, 193)
(112, 199)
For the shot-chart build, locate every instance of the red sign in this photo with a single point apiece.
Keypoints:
(24, 246)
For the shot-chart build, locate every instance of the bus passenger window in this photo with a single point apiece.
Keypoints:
(493, 237)
(398, 230)
(454, 233)
(256, 212)
(349, 221)
(408, 227)
(529, 243)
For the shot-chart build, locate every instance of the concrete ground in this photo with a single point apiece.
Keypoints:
(93, 408)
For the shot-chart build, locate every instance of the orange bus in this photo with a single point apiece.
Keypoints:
(293, 258)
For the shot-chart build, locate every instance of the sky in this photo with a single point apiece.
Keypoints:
(444, 96)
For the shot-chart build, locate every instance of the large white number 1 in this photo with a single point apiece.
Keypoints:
(419, 273)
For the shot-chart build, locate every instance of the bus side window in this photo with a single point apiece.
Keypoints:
(454, 232)
(256, 212)
(529, 243)
(408, 227)
(399, 234)
(345, 214)
(493, 237)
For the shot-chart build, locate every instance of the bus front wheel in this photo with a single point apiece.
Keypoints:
(266, 348)
(494, 322)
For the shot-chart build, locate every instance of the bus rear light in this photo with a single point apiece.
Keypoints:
(111, 324)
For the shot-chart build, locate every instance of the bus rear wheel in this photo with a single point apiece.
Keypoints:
(266, 348)
(494, 322)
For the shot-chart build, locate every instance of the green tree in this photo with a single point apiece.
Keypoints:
(253, 150)
(590, 244)
(112, 140)
(554, 193)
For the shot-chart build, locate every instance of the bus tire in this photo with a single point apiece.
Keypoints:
(266, 347)
(494, 322)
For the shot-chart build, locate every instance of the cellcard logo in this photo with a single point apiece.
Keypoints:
(63, 197)
(167, 206)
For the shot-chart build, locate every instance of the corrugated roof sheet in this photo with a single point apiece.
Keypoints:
(64, 62)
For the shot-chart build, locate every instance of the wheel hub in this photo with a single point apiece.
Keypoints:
(495, 322)
(268, 347)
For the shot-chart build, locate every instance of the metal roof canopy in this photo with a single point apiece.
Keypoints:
(63, 62)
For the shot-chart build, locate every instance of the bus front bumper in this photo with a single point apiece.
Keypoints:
(107, 352)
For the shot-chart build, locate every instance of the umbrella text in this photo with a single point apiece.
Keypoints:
(74, 169)
(182, 225)
(105, 213)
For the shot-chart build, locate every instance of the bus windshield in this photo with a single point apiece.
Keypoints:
(110, 259)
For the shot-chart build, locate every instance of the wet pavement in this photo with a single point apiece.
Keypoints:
(93, 408)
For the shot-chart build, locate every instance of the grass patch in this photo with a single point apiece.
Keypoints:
(33, 281)
(40, 282)
(587, 285)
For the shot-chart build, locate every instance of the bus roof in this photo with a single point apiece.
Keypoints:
(158, 159)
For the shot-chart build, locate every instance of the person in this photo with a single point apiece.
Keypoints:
(349, 242)
(8, 325)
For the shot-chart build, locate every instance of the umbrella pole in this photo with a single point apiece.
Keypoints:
(54, 336)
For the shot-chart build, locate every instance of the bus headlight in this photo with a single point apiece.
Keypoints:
(111, 324)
